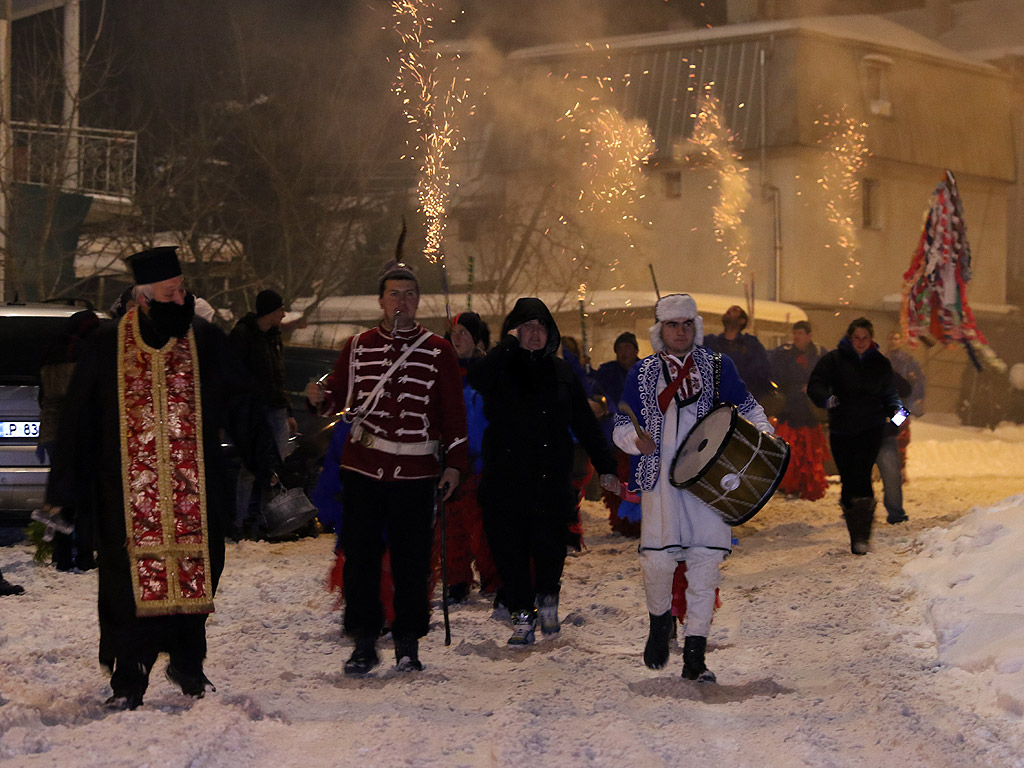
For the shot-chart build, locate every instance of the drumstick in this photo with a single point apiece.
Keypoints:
(624, 408)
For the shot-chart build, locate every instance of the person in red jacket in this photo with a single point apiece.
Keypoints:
(400, 388)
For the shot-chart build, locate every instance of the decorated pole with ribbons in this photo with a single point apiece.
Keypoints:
(934, 305)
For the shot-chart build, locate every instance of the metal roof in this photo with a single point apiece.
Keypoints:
(865, 28)
(660, 76)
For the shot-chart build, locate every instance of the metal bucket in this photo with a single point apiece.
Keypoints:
(286, 512)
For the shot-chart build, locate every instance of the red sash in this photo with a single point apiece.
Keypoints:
(682, 375)
(162, 473)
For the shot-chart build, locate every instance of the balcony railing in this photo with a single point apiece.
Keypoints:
(90, 161)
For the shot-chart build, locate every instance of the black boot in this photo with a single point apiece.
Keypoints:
(547, 612)
(192, 684)
(6, 588)
(859, 514)
(459, 593)
(895, 518)
(124, 701)
(694, 667)
(656, 650)
(363, 658)
(407, 655)
(129, 682)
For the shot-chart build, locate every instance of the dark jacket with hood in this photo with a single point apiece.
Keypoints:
(532, 399)
(262, 353)
(863, 385)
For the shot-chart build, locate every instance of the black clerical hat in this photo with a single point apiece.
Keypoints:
(155, 264)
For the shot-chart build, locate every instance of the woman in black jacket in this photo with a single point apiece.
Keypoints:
(854, 382)
(532, 399)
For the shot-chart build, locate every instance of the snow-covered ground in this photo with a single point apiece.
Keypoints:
(910, 656)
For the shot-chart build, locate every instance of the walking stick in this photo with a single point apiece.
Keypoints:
(444, 560)
(440, 491)
(654, 280)
(584, 353)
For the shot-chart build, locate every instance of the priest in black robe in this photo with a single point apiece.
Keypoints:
(139, 448)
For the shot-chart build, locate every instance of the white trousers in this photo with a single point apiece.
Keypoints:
(702, 576)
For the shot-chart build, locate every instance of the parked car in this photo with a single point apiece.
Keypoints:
(27, 332)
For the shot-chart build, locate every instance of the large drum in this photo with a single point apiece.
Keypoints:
(729, 464)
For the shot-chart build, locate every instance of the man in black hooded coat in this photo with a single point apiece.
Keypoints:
(532, 399)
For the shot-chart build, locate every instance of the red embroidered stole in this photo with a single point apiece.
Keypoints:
(162, 473)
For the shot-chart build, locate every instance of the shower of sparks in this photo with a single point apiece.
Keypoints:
(846, 151)
(614, 153)
(715, 144)
(429, 105)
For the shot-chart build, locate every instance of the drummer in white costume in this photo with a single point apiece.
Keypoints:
(669, 392)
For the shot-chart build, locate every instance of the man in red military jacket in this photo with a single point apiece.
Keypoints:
(399, 386)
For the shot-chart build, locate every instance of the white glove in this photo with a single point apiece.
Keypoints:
(51, 518)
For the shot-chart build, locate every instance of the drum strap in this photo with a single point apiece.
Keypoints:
(716, 368)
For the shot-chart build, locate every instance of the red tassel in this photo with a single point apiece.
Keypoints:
(679, 584)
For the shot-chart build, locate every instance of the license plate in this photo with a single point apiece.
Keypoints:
(13, 429)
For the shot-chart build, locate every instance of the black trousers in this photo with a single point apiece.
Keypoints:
(855, 456)
(399, 515)
(528, 543)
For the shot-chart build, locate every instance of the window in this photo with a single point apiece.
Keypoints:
(875, 76)
(871, 203)
(673, 183)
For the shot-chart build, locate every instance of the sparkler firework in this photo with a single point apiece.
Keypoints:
(430, 107)
(846, 152)
(715, 144)
(614, 153)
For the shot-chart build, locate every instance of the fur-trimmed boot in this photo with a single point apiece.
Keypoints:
(694, 667)
(656, 650)
(859, 514)
(547, 612)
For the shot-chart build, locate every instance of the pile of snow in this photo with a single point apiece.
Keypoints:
(941, 448)
(971, 576)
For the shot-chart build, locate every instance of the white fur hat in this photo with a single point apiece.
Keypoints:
(676, 306)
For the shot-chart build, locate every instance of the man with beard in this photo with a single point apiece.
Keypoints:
(746, 351)
(139, 443)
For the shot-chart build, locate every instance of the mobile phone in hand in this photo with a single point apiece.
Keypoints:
(900, 416)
